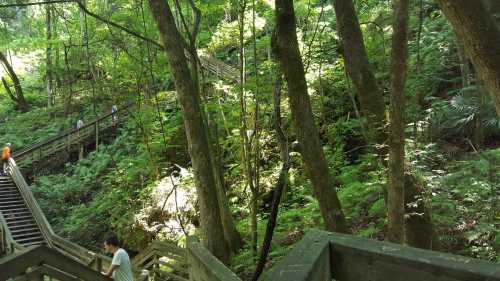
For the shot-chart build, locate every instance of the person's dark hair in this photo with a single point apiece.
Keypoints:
(112, 240)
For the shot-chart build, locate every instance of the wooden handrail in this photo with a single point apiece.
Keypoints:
(38, 145)
(16, 264)
(7, 243)
(30, 201)
(149, 259)
(324, 255)
(203, 266)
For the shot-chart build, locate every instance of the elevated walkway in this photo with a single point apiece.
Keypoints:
(29, 247)
(72, 139)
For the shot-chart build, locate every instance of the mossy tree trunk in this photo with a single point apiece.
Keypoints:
(18, 97)
(287, 50)
(476, 27)
(359, 69)
(395, 200)
(189, 97)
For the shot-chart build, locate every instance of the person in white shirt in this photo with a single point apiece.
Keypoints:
(79, 124)
(120, 268)
(114, 110)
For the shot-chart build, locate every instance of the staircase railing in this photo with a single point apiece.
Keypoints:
(36, 262)
(75, 252)
(203, 266)
(163, 259)
(70, 138)
(40, 219)
(7, 243)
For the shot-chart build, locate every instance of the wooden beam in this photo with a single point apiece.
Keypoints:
(16, 264)
(203, 266)
(309, 260)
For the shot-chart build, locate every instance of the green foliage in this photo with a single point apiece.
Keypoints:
(109, 189)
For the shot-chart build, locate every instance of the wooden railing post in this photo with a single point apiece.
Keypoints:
(203, 266)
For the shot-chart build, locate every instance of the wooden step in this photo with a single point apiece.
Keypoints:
(21, 221)
(8, 192)
(27, 230)
(30, 240)
(41, 242)
(5, 206)
(20, 236)
(29, 224)
(11, 202)
(9, 196)
(13, 216)
(8, 212)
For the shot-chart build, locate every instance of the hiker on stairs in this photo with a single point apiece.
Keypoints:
(5, 157)
(120, 268)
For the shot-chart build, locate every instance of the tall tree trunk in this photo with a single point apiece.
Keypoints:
(187, 92)
(466, 73)
(395, 200)
(280, 185)
(256, 131)
(359, 70)
(20, 101)
(311, 148)
(358, 67)
(246, 143)
(48, 74)
(479, 32)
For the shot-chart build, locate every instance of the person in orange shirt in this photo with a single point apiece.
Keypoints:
(5, 157)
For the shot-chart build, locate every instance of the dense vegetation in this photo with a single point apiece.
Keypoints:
(140, 185)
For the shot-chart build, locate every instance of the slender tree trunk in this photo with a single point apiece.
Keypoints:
(291, 64)
(246, 143)
(256, 146)
(280, 185)
(358, 67)
(479, 32)
(231, 234)
(395, 200)
(20, 101)
(187, 92)
(48, 74)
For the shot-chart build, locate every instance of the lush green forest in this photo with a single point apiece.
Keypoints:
(376, 118)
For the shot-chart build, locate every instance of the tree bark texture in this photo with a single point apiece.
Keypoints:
(48, 73)
(287, 49)
(395, 200)
(20, 101)
(358, 67)
(477, 29)
(420, 231)
(187, 92)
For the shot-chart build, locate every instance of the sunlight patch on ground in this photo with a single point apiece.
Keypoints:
(172, 200)
(22, 63)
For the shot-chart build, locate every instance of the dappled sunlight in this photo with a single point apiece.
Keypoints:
(172, 203)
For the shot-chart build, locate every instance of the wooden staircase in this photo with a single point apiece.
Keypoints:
(18, 217)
